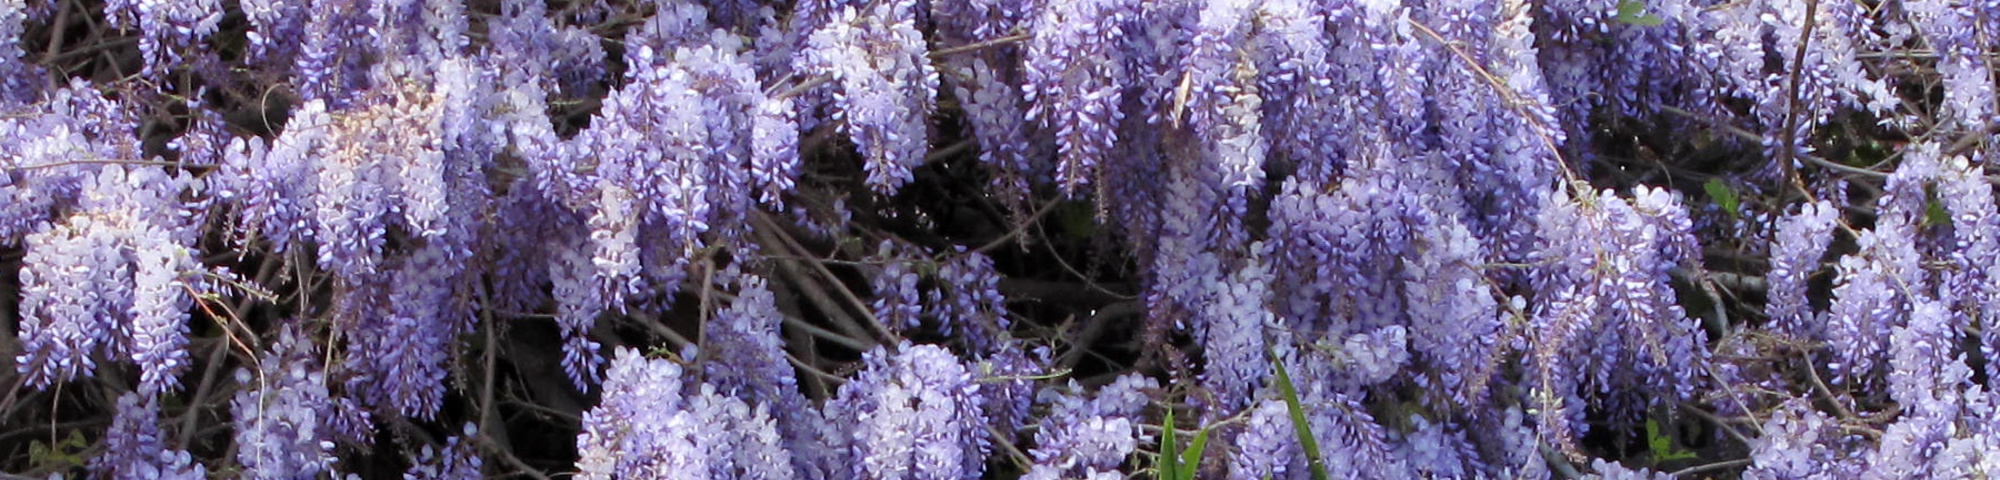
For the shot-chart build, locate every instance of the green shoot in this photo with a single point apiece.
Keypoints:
(1299, 424)
(1180, 466)
(1170, 465)
(1724, 197)
(1662, 445)
(1633, 12)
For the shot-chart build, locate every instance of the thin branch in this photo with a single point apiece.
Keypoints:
(996, 243)
(1722, 465)
(1790, 123)
(944, 52)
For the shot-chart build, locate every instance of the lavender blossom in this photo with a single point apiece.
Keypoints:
(1614, 471)
(1802, 238)
(16, 73)
(1224, 101)
(629, 432)
(408, 326)
(1007, 381)
(1074, 73)
(1437, 450)
(457, 459)
(165, 26)
(69, 293)
(327, 63)
(774, 149)
(1952, 31)
(134, 449)
(1867, 301)
(747, 359)
(968, 301)
(578, 303)
(988, 84)
(653, 425)
(1907, 447)
(885, 86)
(271, 182)
(898, 302)
(1297, 83)
(1526, 158)
(914, 414)
(1268, 446)
(1793, 445)
(1974, 285)
(1455, 322)
(285, 419)
(108, 280)
(1611, 299)
(1352, 444)
(741, 441)
(39, 172)
(1089, 438)
(273, 23)
(1233, 335)
(159, 312)
(1929, 374)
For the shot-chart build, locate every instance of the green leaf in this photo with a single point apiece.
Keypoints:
(1662, 445)
(1077, 218)
(1299, 425)
(1180, 466)
(1935, 214)
(1724, 197)
(1632, 12)
(1191, 458)
(64, 454)
(1170, 464)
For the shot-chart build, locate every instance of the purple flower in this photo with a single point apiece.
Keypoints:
(578, 303)
(457, 459)
(1868, 298)
(1268, 446)
(898, 302)
(285, 419)
(1802, 238)
(109, 279)
(17, 84)
(1089, 437)
(1455, 321)
(134, 449)
(1075, 69)
(1233, 335)
(884, 86)
(972, 301)
(1606, 470)
(745, 357)
(1952, 30)
(913, 414)
(1794, 445)
(629, 432)
(159, 313)
(165, 26)
(652, 425)
(1608, 312)
(408, 323)
(1437, 450)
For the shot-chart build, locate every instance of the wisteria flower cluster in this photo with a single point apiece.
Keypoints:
(967, 239)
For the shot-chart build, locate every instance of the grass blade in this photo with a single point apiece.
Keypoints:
(1170, 464)
(1299, 425)
(1190, 460)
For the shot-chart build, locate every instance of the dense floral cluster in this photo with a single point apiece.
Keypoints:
(963, 239)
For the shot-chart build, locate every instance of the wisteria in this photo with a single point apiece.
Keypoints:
(967, 239)
(136, 449)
